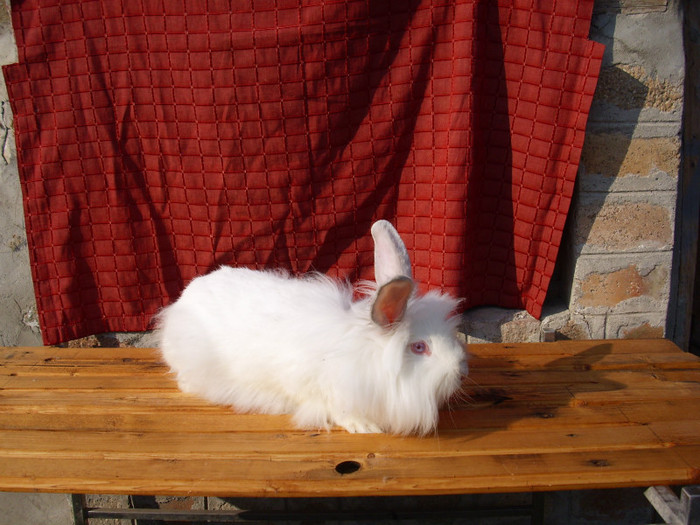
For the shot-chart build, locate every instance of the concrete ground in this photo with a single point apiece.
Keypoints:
(35, 509)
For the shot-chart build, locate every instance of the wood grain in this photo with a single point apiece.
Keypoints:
(544, 416)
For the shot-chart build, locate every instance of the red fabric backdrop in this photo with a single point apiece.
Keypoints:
(158, 139)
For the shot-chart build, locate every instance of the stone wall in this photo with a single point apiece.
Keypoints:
(613, 276)
(18, 320)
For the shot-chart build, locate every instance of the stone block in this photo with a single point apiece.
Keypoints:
(613, 161)
(633, 283)
(107, 501)
(636, 326)
(634, 87)
(181, 503)
(630, 92)
(657, 59)
(148, 339)
(252, 504)
(628, 40)
(624, 222)
(499, 325)
(630, 7)
(571, 326)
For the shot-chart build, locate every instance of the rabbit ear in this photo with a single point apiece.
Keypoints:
(390, 255)
(389, 306)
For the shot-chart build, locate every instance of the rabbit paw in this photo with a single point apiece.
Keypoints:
(359, 426)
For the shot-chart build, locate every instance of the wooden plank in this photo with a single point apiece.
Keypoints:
(47, 354)
(562, 349)
(577, 357)
(691, 455)
(158, 412)
(583, 363)
(648, 393)
(246, 445)
(188, 418)
(661, 410)
(75, 400)
(40, 352)
(479, 376)
(157, 381)
(611, 379)
(683, 376)
(683, 432)
(378, 475)
(118, 378)
(189, 413)
(539, 406)
(134, 370)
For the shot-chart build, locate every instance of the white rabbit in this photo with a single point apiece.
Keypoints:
(266, 342)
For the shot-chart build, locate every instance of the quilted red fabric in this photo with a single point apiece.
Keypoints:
(158, 139)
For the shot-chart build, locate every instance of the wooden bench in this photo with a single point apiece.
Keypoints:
(540, 417)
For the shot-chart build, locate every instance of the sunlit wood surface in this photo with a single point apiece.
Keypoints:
(545, 416)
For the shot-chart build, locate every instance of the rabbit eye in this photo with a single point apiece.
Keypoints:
(420, 348)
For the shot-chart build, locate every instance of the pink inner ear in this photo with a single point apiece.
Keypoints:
(390, 304)
(390, 255)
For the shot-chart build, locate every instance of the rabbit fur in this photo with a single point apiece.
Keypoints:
(267, 342)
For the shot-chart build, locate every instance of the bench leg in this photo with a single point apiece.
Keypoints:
(79, 509)
(673, 510)
(690, 502)
(537, 516)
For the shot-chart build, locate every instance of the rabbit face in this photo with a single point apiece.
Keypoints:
(428, 362)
